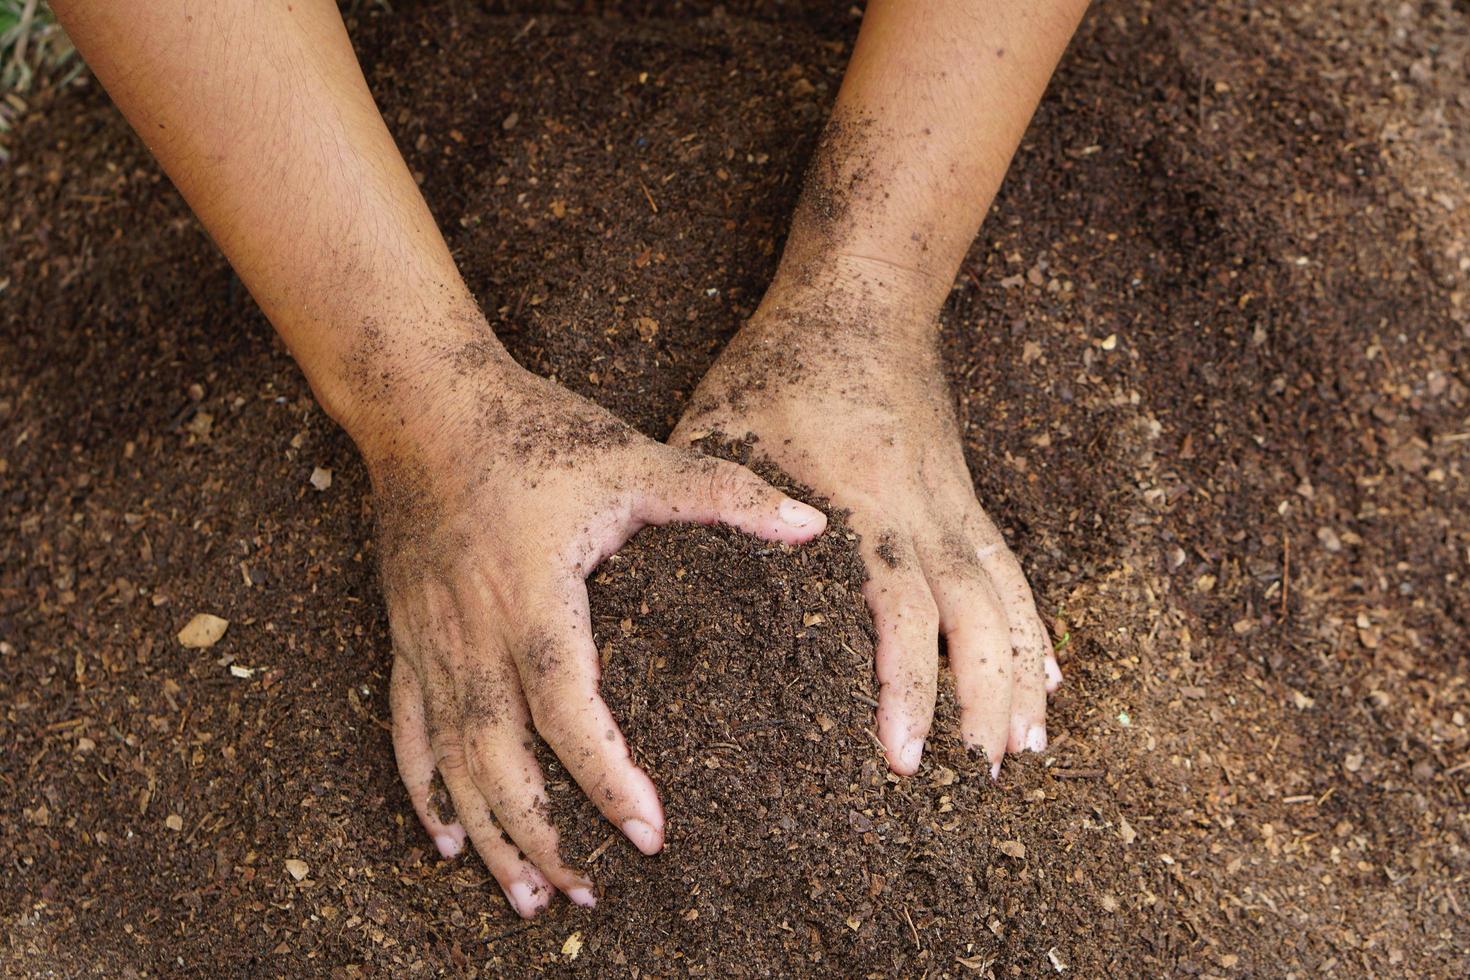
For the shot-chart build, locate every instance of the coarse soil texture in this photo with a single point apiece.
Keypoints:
(1210, 356)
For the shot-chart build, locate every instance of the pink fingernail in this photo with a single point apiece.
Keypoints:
(582, 897)
(642, 835)
(1036, 738)
(797, 514)
(449, 844)
(523, 899)
(995, 773)
(912, 752)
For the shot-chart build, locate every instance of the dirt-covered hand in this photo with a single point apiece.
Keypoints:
(496, 495)
(854, 404)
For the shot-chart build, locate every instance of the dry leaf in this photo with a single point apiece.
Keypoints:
(1012, 848)
(572, 948)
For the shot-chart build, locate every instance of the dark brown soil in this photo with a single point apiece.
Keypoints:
(1210, 352)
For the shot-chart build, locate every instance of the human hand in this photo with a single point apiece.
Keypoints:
(497, 492)
(850, 399)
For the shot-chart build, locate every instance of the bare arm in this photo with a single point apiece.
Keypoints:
(934, 103)
(260, 114)
(843, 353)
(496, 491)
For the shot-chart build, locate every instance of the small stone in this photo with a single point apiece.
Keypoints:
(321, 478)
(1353, 761)
(173, 822)
(1329, 539)
(203, 631)
(297, 869)
(509, 123)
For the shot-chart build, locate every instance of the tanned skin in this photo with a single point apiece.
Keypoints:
(497, 491)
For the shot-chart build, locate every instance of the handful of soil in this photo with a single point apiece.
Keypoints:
(742, 674)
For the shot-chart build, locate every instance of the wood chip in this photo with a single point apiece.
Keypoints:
(203, 631)
(297, 869)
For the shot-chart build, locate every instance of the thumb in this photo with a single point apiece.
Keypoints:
(705, 490)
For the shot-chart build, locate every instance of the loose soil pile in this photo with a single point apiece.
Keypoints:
(1210, 352)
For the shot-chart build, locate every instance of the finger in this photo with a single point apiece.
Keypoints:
(979, 643)
(706, 490)
(1014, 590)
(504, 769)
(1030, 645)
(525, 887)
(907, 656)
(416, 760)
(559, 671)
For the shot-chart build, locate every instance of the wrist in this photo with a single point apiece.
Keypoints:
(388, 382)
(860, 297)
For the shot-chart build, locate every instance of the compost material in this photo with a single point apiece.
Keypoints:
(1210, 357)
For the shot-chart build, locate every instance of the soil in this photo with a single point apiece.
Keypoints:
(1210, 355)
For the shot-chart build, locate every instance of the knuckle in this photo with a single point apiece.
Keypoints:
(479, 759)
(1005, 569)
(449, 754)
(555, 715)
(729, 483)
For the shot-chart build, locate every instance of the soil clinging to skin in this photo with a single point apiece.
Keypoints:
(1210, 360)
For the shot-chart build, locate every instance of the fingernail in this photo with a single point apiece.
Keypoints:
(1053, 672)
(1036, 738)
(449, 846)
(911, 754)
(582, 897)
(523, 899)
(798, 514)
(642, 835)
(995, 773)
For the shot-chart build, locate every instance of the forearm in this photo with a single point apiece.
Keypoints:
(259, 113)
(934, 103)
